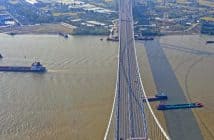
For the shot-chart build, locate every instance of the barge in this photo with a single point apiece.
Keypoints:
(35, 67)
(210, 41)
(145, 38)
(157, 97)
(179, 106)
(137, 37)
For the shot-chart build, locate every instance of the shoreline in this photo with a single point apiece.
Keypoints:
(49, 28)
(56, 28)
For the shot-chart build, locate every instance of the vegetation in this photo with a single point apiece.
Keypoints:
(90, 31)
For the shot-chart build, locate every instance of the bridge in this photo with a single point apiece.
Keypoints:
(130, 116)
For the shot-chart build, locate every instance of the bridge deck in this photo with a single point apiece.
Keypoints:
(131, 122)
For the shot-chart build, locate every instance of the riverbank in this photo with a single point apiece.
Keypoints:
(53, 28)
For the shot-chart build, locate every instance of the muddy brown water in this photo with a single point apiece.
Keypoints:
(73, 99)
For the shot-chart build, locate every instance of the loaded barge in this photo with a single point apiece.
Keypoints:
(35, 67)
(179, 106)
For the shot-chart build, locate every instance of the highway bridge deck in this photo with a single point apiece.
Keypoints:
(131, 121)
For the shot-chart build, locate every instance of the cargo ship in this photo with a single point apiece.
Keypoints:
(63, 34)
(35, 67)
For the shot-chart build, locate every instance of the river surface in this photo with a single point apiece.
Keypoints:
(72, 101)
(182, 67)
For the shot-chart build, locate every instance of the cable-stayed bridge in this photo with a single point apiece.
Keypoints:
(131, 118)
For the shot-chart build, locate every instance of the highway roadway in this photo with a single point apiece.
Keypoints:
(131, 122)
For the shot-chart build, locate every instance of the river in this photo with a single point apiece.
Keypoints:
(73, 99)
(182, 67)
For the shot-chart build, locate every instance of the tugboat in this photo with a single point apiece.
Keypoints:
(35, 67)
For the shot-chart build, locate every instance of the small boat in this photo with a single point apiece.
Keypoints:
(35, 67)
(179, 106)
(1, 56)
(157, 97)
